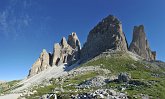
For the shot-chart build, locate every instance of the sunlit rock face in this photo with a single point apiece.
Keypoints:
(107, 34)
(67, 51)
(74, 42)
(140, 44)
(41, 64)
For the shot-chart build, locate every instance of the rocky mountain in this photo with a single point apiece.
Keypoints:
(105, 68)
(107, 34)
(67, 51)
(140, 44)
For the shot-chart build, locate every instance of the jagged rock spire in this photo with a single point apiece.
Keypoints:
(41, 64)
(64, 42)
(67, 51)
(73, 40)
(140, 45)
(56, 54)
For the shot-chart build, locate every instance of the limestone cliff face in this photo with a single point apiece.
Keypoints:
(140, 45)
(61, 52)
(41, 64)
(106, 35)
(67, 51)
(74, 42)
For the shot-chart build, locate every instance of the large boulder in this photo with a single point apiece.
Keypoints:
(108, 34)
(124, 77)
(140, 45)
(41, 64)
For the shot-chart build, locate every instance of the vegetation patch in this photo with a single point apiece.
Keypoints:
(7, 86)
(140, 71)
(67, 85)
(146, 79)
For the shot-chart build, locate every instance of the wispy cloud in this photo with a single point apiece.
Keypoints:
(3, 23)
(12, 21)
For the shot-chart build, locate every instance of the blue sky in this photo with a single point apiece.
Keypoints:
(28, 26)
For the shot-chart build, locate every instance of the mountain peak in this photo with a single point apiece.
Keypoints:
(140, 44)
(67, 51)
(107, 34)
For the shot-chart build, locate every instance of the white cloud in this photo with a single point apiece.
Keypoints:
(12, 24)
(3, 23)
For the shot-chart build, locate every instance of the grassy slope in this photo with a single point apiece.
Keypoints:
(140, 71)
(69, 90)
(5, 87)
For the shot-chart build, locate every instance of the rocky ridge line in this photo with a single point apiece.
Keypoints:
(67, 51)
(106, 36)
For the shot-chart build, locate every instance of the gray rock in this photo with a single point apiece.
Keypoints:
(66, 51)
(101, 94)
(64, 43)
(56, 54)
(140, 45)
(74, 42)
(94, 82)
(106, 35)
(124, 77)
(41, 64)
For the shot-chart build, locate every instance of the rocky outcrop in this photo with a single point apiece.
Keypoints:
(97, 81)
(140, 45)
(153, 57)
(108, 34)
(67, 51)
(124, 77)
(41, 64)
(102, 94)
(74, 42)
(61, 52)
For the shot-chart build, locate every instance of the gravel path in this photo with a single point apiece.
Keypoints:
(10, 96)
